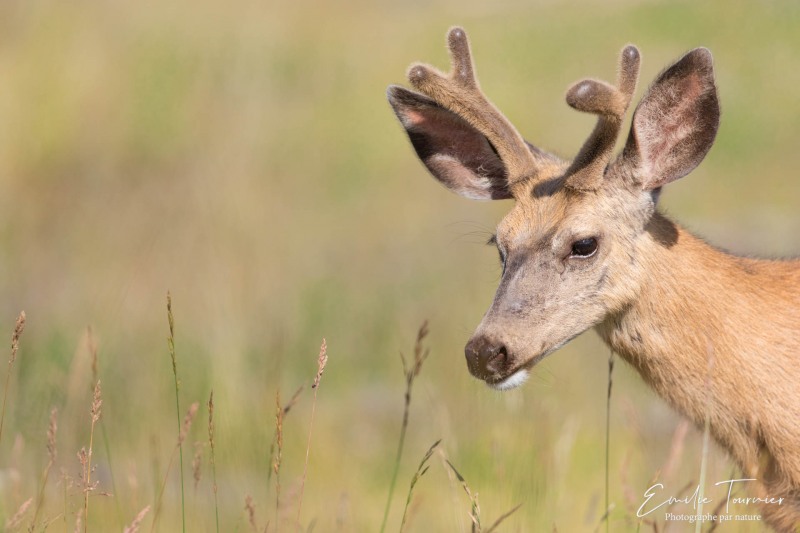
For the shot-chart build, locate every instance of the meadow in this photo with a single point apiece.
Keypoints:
(241, 156)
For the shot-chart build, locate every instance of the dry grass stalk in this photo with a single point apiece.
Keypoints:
(676, 448)
(251, 512)
(197, 461)
(16, 520)
(86, 457)
(91, 344)
(173, 357)
(213, 460)
(97, 402)
(276, 466)
(627, 490)
(322, 360)
(421, 469)
(65, 482)
(184, 431)
(286, 408)
(608, 436)
(502, 518)
(52, 429)
(475, 510)
(706, 438)
(18, 328)
(78, 521)
(187, 422)
(134, 526)
(411, 372)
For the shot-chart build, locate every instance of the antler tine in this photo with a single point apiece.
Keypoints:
(610, 104)
(461, 58)
(460, 93)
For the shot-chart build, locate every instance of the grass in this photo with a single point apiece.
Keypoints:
(86, 456)
(213, 458)
(421, 470)
(475, 509)
(20, 326)
(181, 435)
(244, 157)
(411, 371)
(322, 360)
(276, 465)
(706, 438)
(607, 506)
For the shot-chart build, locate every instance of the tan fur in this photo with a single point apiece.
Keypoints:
(719, 334)
(715, 335)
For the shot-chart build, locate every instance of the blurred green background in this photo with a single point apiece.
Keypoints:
(242, 155)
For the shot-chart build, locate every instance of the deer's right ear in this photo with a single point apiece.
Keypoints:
(675, 123)
(457, 154)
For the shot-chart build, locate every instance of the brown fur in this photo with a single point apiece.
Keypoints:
(713, 334)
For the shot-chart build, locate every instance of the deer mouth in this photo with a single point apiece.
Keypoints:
(512, 381)
(516, 377)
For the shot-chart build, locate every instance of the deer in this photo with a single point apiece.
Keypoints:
(717, 336)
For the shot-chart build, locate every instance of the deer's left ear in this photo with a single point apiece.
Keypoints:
(675, 123)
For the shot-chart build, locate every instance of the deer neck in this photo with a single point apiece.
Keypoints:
(709, 332)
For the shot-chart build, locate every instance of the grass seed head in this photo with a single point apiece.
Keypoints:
(211, 419)
(97, 403)
(51, 435)
(197, 461)
(187, 422)
(16, 520)
(322, 360)
(18, 328)
(251, 511)
(134, 526)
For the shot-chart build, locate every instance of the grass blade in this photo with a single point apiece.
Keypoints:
(18, 328)
(421, 469)
(171, 345)
(411, 373)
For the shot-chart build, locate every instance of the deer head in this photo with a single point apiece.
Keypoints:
(573, 247)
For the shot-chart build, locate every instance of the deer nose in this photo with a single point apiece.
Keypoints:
(485, 356)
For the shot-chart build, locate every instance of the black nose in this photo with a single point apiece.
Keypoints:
(485, 356)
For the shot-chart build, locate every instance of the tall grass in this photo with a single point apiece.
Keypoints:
(89, 482)
(421, 470)
(18, 328)
(213, 458)
(276, 465)
(133, 527)
(706, 436)
(411, 371)
(607, 507)
(173, 358)
(322, 360)
(475, 508)
(52, 430)
(93, 352)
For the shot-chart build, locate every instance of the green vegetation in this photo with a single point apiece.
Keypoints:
(242, 156)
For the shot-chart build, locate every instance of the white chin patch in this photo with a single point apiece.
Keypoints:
(511, 382)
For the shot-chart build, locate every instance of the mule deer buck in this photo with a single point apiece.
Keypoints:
(585, 246)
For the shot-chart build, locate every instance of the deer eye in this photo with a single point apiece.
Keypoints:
(584, 247)
(493, 242)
